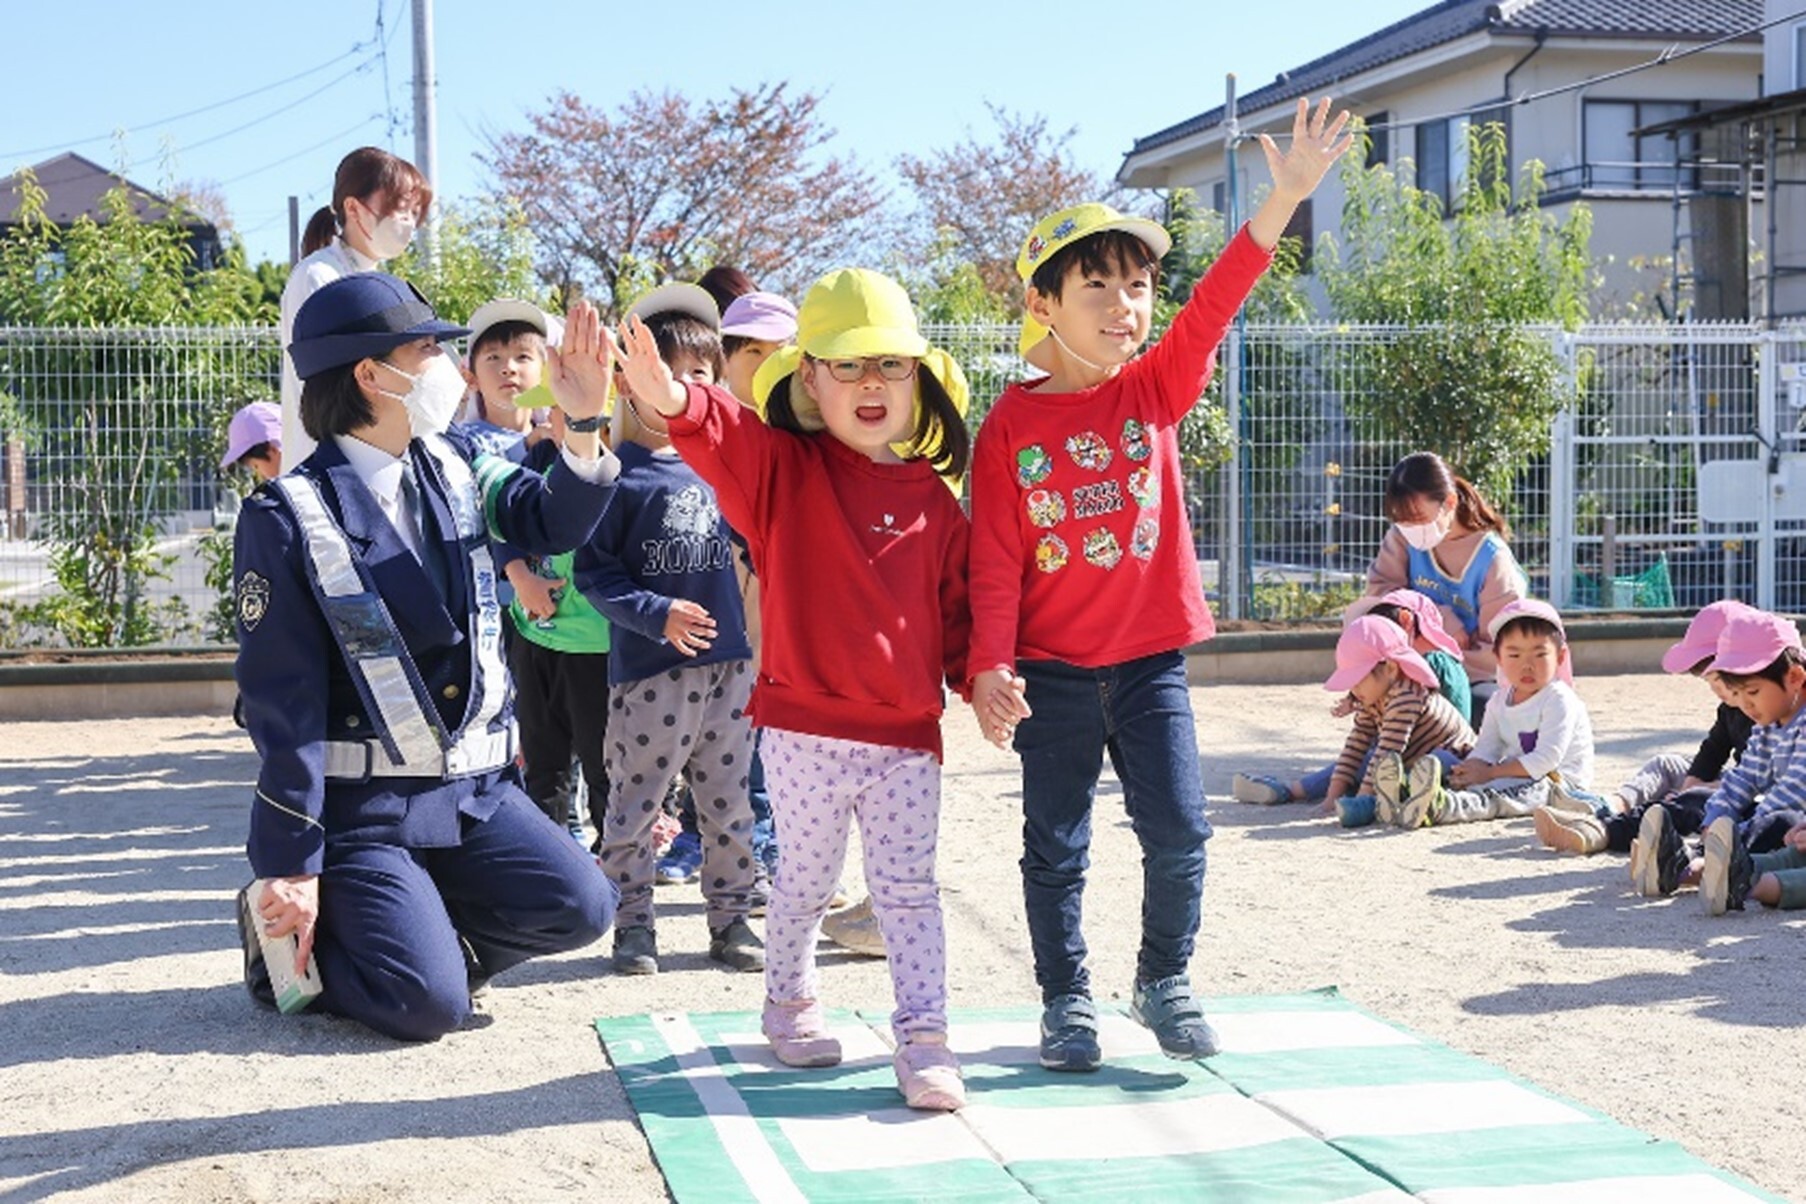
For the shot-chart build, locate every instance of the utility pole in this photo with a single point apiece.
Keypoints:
(426, 132)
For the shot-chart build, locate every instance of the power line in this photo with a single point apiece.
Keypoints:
(11, 156)
(307, 150)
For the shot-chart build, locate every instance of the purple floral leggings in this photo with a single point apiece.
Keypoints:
(818, 785)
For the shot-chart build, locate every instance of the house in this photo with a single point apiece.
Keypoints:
(1421, 82)
(73, 188)
(1762, 145)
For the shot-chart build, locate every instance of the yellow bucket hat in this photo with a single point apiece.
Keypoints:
(1059, 230)
(853, 313)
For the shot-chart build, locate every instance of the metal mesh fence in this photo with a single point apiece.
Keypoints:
(1668, 483)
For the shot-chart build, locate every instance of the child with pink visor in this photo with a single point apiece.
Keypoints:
(1399, 719)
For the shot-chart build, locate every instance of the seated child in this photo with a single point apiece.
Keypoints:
(1763, 799)
(660, 566)
(1399, 718)
(1421, 620)
(1669, 782)
(1535, 727)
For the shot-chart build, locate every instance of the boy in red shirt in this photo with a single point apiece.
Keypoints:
(1084, 581)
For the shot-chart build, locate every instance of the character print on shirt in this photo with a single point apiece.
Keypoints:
(1135, 443)
(253, 600)
(1089, 451)
(1146, 537)
(1051, 553)
(693, 540)
(1102, 548)
(1033, 465)
(1089, 501)
(1144, 487)
(690, 511)
(1046, 508)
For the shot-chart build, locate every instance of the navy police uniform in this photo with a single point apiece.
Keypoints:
(375, 693)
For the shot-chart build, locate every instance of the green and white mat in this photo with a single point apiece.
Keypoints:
(1312, 1100)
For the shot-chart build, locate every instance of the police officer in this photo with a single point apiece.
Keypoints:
(389, 820)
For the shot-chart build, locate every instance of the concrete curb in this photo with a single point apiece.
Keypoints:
(99, 684)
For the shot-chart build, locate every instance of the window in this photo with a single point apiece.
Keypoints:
(1617, 157)
(1433, 160)
(1219, 196)
(1301, 228)
(1379, 148)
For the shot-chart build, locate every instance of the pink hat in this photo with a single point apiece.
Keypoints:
(1534, 608)
(259, 422)
(1365, 643)
(1701, 641)
(764, 316)
(1429, 618)
(1751, 641)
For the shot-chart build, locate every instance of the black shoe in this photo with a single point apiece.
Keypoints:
(735, 946)
(475, 977)
(636, 950)
(1661, 859)
(1729, 874)
(257, 975)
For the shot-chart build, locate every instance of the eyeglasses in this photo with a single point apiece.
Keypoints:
(890, 367)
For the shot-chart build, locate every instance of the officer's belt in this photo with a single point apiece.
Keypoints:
(477, 752)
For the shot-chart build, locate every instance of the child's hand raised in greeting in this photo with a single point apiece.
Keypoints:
(1317, 142)
(578, 369)
(647, 373)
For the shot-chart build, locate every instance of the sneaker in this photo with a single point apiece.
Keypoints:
(1659, 857)
(682, 862)
(1388, 787)
(735, 946)
(799, 1033)
(928, 1074)
(1424, 800)
(1564, 797)
(665, 829)
(1725, 882)
(855, 928)
(839, 898)
(758, 895)
(1568, 831)
(1260, 788)
(1356, 810)
(257, 975)
(636, 950)
(1168, 1009)
(1069, 1034)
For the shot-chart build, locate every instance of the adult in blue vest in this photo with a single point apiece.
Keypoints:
(1449, 543)
(389, 824)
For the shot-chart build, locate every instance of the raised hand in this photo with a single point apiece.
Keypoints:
(1317, 142)
(579, 369)
(647, 373)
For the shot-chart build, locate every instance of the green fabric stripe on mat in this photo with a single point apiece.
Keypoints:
(1303, 1171)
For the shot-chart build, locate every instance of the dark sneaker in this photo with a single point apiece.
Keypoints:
(257, 975)
(1660, 859)
(735, 947)
(476, 978)
(1069, 1034)
(1725, 882)
(682, 862)
(636, 950)
(1168, 1009)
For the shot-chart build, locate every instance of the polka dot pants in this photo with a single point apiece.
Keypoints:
(692, 719)
(818, 785)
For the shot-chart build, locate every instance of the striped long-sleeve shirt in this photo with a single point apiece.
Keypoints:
(1770, 778)
(1410, 721)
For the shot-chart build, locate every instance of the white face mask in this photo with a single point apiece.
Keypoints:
(1422, 536)
(391, 235)
(433, 399)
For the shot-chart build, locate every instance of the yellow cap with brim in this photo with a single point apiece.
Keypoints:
(1059, 230)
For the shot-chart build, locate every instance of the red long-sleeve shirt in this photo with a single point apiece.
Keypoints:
(1081, 551)
(862, 575)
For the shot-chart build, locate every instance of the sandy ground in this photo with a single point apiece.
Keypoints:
(133, 1066)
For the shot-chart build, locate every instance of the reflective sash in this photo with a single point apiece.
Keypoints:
(489, 680)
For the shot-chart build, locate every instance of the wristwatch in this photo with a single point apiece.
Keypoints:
(583, 426)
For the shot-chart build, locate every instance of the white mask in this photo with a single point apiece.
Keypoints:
(434, 397)
(391, 235)
(1422, 536)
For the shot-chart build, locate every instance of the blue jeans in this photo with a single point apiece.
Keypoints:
(1140, 713)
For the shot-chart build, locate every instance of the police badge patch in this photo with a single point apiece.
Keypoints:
(253, 600)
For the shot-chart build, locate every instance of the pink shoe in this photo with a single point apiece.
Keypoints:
(928, 1074)
(799, 1034)
(664, 830)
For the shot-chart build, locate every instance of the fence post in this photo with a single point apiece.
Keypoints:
(1769, 427)
(1563, 476)
(1230, 569)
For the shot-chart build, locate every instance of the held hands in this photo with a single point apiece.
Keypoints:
(689, 628)
(292, 905)
(999, 700)
(578, 370)
(647, 373)
(1317, 142)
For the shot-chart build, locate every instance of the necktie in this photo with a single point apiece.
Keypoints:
(431, 550)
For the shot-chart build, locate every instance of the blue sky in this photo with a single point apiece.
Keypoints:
(898, 78)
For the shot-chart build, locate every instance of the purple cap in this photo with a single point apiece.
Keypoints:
(259, 422)
(1365, 643)
(1752, 641)
(1429, 618)
(760, 316)
(1701, 641)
